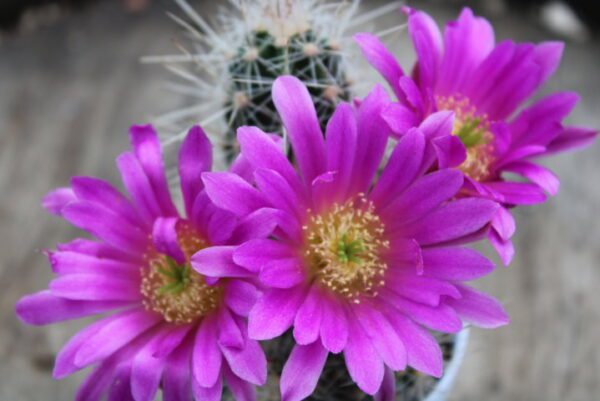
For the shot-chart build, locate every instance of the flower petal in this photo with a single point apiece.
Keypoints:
(387, 391)
(212, 393)
(146, 146)
(539, 175)
(381, 59)
(44, 308)
(240, 296)
(341, 148)
(195, 157)
(372, 137)
(146, 372)
(206, 357)
(106, 225)
(383, 337)
(274, 312)
(164, 236)
(241, 389)
(95, 287)
(401, 169)
(425, 195)
(400, 118)
(55, 200)
(302, 371)
(255, 254)
(248, 363)
(467, 42)
(102, 192)
(231, 192)
(307, 323)
(455, 264)
(114, 335)
(294, 104)
(264, 153)
(334, 326)
(217, 261)
(423, 351)
(478, 308)
(427, 40)
(453, 220)
(362, 360)
(282, 273)
(177, 377)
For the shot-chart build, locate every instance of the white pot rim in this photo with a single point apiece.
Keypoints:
(444, 386)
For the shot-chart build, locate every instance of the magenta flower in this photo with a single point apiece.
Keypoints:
(483, 84)
(355, 267)
(169, 325)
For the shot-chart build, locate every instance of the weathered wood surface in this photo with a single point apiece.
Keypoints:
(68, 93)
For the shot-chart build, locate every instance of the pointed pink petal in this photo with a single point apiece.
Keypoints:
(362, 360)
(341, 148)
(240, 296)
(164, 236)
(232, 193)
(264, 153)
(456, 264)
(334, 326)
(254, 254)
(307, 323)
(55, 200)
(217, 261)
(479, 308)
(401, 169)
(44, 308)
(387, 391)
(467, 41)
(453, 220)
(102, 192)
(372, 137)
(195, 157)
(537, 174)
(381, 59)
(211, 393)
(206, 357)
(383, 336)
(146, 146)
(241, 389)
(294, 104)
(115, 335)
(423, 351)
(302, 371)
(274, 312)
(248, 363)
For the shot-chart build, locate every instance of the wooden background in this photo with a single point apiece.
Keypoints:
(70, 89)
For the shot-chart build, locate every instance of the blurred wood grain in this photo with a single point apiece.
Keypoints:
(68, 93)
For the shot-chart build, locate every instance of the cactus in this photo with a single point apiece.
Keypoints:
(335, 383)
(261, 59)
(230, 70)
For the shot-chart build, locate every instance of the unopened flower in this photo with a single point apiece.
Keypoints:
(169, 326)
(483, 84)
(355, 267)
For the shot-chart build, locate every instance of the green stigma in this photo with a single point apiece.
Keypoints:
(178, 277)
(349, 251)
(472, 132)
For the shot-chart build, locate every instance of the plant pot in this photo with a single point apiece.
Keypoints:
(444, 386)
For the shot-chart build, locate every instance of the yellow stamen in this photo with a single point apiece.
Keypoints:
(344, 246)
(177, 291)
(473, 129)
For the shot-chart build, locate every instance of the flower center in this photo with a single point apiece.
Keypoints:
(474, 132)
(175, 290)
(343, 248)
